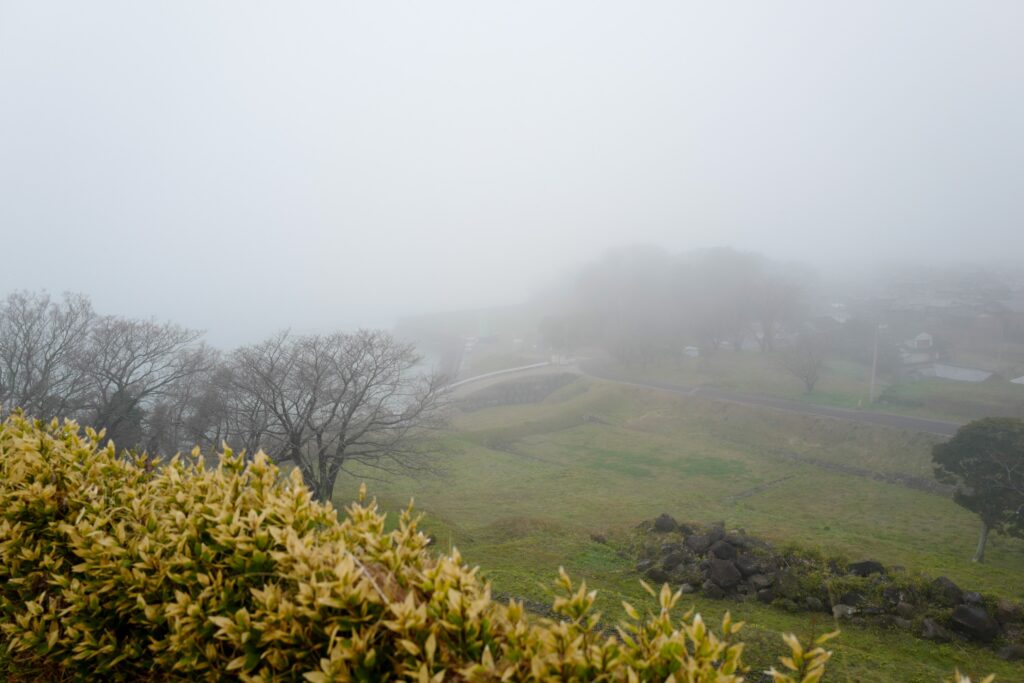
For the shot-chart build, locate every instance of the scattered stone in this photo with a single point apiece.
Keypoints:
(786, 584)
(708, 560)
(665, 523)
(866, 568)
(1012, 652)
(892, 595)
(851, 598)
(698, 543)
(723, 550)
(1007, 612)
(948, 591)
(713, 591)
(973, 598)
(738, 540)
(900, 622)
(685, 574)
(748, 565)
(658, 575)
(930, 630)
(673, 560)
(843, 611)
(724, 573)
(975, 622)
(885, 620)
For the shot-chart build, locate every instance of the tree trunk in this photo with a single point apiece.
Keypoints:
(979, 554)
(323, 490)
(323, 486)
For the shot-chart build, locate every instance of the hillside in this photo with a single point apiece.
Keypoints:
(522, 488)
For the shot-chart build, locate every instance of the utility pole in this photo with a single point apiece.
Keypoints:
(874, 367)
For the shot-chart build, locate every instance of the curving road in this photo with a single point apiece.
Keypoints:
(915, 424)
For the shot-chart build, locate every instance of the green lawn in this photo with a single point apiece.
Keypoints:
(964, 400)
(843, 384)
(521, 489)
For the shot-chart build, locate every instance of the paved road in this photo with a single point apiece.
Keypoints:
(914, 424)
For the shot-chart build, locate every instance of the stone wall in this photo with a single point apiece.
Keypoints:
(721, 563)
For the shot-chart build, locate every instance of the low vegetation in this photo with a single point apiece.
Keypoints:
(131, 569)
(841, 383)
(733, 564)
(564, 482)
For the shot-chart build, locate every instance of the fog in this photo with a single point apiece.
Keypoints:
(243, 167)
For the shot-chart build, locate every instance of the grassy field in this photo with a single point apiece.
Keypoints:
(521, 489)
(966, 400)
(480, 364)
(843, 384)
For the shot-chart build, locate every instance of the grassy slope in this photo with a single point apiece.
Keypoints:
(843, 384)
(964, 400)
(525, 486)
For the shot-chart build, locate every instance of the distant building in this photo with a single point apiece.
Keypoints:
(919, 350)
(838, 312)
(956, 373)
(922, 341)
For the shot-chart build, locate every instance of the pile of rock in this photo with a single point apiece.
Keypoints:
(973, 617)
(711, 560)
(720, 563)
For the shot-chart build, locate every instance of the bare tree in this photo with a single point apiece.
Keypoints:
(716, 291)
(131, 366)
(326, 403)
(189, 411)
(805, 358)
(776, 299)
(41, 347)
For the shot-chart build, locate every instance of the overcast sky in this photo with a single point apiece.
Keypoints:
(244, 166)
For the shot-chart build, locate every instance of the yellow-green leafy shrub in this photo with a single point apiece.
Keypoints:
(125, 569)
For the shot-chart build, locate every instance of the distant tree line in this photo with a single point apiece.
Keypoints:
(643, 301)
(321, 402)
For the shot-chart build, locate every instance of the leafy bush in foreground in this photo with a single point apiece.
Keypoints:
(126, 569)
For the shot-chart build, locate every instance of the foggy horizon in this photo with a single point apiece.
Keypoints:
(721, 299)
(242, 169)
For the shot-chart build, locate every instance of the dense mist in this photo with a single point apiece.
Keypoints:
(721, 298)
(243, 168)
